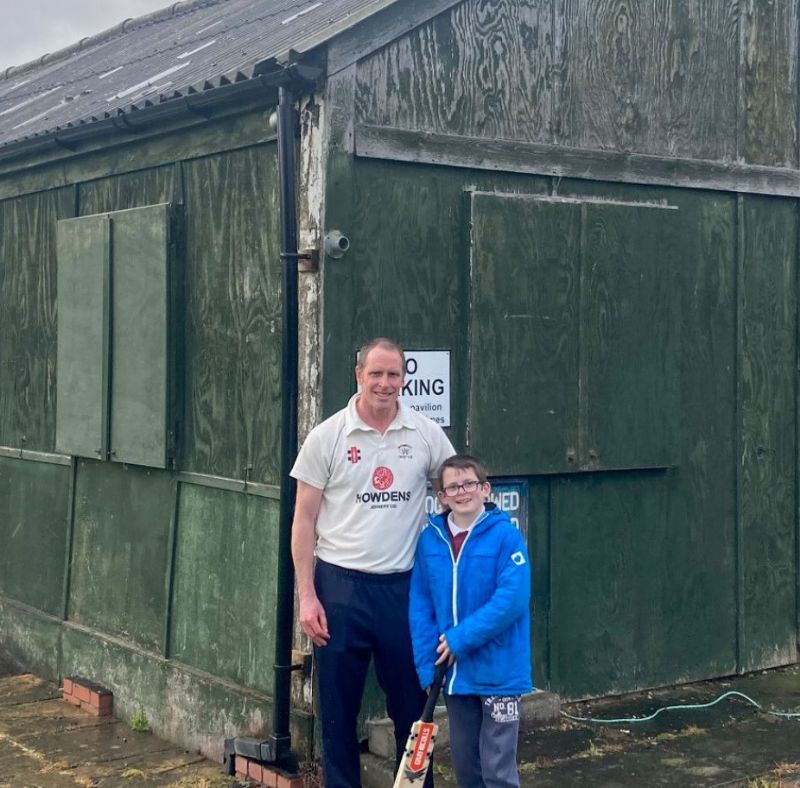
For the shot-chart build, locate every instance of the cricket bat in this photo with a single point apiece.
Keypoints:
(422, 739)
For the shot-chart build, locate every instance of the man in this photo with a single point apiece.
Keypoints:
(361, 481)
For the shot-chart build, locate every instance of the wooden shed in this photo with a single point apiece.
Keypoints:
(580, 218)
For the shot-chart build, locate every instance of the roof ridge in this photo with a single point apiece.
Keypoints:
(180, 7)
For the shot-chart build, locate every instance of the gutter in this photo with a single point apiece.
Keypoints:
(268, 78)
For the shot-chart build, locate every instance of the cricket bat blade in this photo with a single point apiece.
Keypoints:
(421, 740)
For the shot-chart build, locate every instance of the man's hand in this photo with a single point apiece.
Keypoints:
(445, 655)
(311, 614)
(313, 620)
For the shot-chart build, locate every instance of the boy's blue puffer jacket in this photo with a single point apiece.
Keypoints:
(487, 620)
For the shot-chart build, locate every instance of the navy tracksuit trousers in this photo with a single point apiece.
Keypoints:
(367, 617)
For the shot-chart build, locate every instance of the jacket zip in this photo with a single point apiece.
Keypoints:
(455, 581)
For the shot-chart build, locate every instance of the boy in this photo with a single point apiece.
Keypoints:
(482, 627)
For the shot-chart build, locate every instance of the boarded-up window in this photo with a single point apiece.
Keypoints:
(114, 336)
(574, 334)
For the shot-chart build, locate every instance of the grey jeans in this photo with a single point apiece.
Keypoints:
(483, 740)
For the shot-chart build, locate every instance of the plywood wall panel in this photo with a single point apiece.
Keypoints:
(28, 317)
(233, 288)
(768, 432)
(768, 64)
(481, 69)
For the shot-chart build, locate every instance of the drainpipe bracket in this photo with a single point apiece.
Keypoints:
(307, 260)
(301, 661)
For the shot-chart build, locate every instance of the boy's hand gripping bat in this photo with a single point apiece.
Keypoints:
(421, 740)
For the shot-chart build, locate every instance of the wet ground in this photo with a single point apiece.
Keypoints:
(729, 744)
(46, 743)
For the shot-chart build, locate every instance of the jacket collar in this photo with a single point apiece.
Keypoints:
(490, 514)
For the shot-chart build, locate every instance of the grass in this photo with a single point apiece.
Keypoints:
(689, 730)
(204, 782)
(139, 723)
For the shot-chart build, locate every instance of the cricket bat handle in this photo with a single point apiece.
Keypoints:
(433, 695)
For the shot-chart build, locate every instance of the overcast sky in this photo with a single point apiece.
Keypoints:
(33, 27)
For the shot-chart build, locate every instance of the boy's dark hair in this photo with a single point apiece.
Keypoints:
(463, 462)
(385, 343)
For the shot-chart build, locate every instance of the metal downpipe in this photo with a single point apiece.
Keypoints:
(287, 178)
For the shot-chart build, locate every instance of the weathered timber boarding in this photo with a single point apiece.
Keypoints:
(141, 559)
(28, 317)
(591, 205)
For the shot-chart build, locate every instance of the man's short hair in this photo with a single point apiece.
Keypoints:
(463, 462)
(385, 343)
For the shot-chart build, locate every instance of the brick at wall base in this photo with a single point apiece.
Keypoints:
(87, 695)
(265, 776)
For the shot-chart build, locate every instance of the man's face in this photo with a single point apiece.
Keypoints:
(381, 378)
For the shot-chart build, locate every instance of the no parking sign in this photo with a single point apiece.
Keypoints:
(427, 384)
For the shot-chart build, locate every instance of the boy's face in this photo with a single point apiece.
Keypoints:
(467, 503)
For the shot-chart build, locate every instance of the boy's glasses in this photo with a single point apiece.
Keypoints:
(467, 487)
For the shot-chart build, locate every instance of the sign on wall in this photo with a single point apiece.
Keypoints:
(427, 384)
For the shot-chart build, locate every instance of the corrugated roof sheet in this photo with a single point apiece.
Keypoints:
(186, 48)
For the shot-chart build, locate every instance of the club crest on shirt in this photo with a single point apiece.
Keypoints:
(353, 454)
(405, 451)
(382, 478)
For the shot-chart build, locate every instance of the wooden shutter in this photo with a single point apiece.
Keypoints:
(82, 368)
(574, 334)
(140, 366)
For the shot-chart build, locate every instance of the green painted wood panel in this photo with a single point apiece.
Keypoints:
(408, 278)
(140, 336)
(690, 510)
(84, 260)
(131, 190)
(233, 315)
(539, 550)
(703, 503)
(34, 517)
(768, 461)
(581, 295)
(524, 333)
(630, 335)
(613, 572)
(224, 597)
(28, 318)
(702, 500)
(120, 559)
(31, 640)
(149, 151)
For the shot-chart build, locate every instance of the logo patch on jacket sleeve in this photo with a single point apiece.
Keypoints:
(518, 558)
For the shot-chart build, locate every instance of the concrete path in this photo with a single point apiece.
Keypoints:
(46, 743)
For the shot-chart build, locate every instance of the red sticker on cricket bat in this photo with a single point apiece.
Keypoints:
(425, 735)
